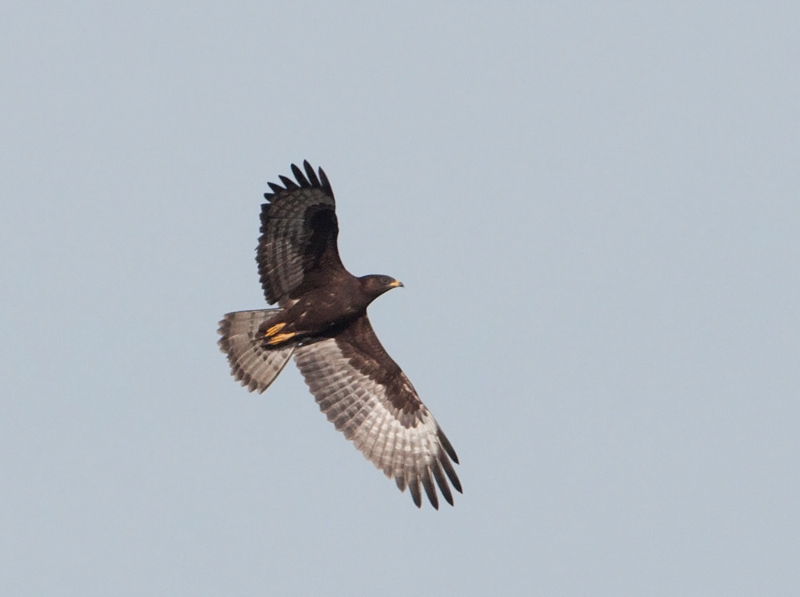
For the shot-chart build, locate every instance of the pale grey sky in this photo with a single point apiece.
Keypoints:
(595, 210)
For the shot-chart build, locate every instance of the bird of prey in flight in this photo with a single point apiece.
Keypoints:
(321, 320)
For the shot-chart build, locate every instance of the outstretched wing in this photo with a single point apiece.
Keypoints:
(367, 397)
(297, 249)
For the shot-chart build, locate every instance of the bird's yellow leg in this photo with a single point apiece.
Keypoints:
(275, 329)
(277, 339)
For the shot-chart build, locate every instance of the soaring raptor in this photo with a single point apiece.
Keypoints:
(321, 320)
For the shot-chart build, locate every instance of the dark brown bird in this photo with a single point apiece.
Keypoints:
(322, 321)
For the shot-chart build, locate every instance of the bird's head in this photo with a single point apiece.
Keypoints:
(376, 285)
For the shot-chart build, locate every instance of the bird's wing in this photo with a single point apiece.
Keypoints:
(297, 249)
(367, 397)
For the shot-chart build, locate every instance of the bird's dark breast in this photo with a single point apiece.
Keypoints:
(325, 311)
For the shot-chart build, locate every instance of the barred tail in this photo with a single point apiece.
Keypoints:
(252, 363)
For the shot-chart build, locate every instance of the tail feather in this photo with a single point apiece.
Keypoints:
(252, 363)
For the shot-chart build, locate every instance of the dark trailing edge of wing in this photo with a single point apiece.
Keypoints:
(434, 473)
(447, 446)
(288, 182)
(441, 482)
(445, 462)
(413, 487)
(309, 180)
(300, 177)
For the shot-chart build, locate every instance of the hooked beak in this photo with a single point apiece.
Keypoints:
(396, 283)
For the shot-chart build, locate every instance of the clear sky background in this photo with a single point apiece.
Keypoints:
(595, 209)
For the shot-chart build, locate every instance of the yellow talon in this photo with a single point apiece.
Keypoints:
(281, 338)
(275, 329)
